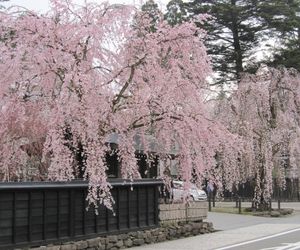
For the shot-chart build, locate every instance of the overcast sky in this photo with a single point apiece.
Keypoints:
(43, 5)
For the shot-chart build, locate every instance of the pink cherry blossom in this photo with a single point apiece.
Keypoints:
(78, 74)
(264, 111)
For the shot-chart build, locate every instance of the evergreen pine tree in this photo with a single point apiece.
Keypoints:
(151, 8)
(282, 17)
(176, 12)
(233, 33)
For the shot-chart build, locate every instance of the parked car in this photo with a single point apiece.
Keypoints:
(194, 192)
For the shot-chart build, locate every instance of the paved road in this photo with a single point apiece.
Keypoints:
(222, 221)
(288, 240)
(235, 230)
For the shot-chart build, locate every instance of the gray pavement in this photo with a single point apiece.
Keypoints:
(231, 221)
(235, 229)
(288, 240)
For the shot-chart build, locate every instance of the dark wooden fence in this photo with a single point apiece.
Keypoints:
(290, 193)
(246, 191)
(37, 213)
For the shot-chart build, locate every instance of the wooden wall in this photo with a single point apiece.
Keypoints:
(36, 213)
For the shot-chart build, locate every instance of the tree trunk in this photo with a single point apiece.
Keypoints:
(238, 54)
(262, 203)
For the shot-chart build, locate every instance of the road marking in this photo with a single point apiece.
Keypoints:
(259, 239)
(286, 246)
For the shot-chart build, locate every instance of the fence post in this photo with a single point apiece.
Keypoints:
(278, 204)
(209, 202)
(270, 205)
(240, 206)
(186, 212)
(298, 191)
(237, 202)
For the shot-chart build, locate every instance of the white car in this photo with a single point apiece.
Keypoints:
(194, 193)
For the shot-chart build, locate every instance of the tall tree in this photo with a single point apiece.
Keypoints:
(152, 12)
(78, 74)
(232, 35)
(283, 21)
(176, 12)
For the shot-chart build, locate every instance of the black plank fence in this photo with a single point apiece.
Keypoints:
(246, 191)
(290, 193)
(38, 213)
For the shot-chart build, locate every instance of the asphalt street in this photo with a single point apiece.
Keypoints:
(288, 240)
(222, 221)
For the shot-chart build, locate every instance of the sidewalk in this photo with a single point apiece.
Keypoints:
(223, 221)
(220, 239)
(234, 228)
